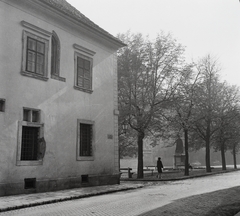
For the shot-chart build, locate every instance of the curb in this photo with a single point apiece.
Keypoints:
(56, 200)
(178, 178)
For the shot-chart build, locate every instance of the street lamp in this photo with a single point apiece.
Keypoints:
(125, 127)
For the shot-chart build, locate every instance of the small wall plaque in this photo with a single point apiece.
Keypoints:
(110, 136)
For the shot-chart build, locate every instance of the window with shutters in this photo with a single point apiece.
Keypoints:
(31, 146)
(83, 73)
(85, 140)
(35, 56)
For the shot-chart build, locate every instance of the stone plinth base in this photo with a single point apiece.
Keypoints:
(47, 185)
(179, 160)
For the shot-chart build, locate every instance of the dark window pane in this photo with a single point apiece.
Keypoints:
(86, 84)
(87, 64)
(31, 61)
(80, 62)
(40, 69)
(30, 66)
(2, 105)
(80, 72)
(35, 116)
(40, 59)
(31, 56)
(40, 47)
(26, 115)
(87, 74)
(29, 143)
(80, 82)
(31, 44)
(85, 140)
(54, 57)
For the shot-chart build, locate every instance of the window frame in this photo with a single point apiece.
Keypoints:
(22, 123)
(43, 40)
(84, 57)
(55, 58)
(85, 158)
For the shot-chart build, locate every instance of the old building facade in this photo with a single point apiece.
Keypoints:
(58, 99)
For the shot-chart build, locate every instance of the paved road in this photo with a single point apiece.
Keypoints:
(135, 202)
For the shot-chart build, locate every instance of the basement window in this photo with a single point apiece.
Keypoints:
(29, 183)
(84, 178)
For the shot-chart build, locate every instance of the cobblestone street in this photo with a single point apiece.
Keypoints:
(134, 202)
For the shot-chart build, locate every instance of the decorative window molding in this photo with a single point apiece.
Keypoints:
(84, 50)
(36, 29)
(30, 142)
(2, 105)
(83, 72)
(35, 56)
(85, 140)
(55, 58)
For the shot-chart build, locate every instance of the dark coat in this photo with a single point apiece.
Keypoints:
(159, 166)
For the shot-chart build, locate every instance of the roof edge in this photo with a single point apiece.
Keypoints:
(84, 21)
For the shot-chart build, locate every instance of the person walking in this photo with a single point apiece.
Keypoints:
(159, 168)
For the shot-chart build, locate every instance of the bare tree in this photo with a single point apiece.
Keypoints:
(207, 102)
(149, 73)
(228, 119)
(182, 116)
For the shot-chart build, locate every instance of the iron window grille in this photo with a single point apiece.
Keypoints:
(30, 132)
(30, 137)
(85, 140)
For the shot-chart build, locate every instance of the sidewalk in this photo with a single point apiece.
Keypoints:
(8, 203)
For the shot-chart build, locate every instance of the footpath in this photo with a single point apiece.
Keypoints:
(8, 203)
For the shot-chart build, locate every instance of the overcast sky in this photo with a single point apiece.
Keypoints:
(202, 26)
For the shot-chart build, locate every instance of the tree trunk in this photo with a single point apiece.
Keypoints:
(140, 155)
(223, 157)
(208, 163)
(186, 153)
(234, 157)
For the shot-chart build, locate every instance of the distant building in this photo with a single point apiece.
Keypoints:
(58, 99)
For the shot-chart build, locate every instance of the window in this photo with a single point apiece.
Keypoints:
(35, 56)
(2, 105)
(55, 58)
(29, 183)
(85, 179)
(85, 140)
(31, 115)
(31, 144)
(83, 73)
(35, 53)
